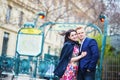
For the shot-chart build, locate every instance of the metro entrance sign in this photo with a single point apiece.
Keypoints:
(29, 42)
(60, 27)
(30, 45)
(65, 26)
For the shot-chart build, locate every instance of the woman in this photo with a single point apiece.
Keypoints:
(68, 63)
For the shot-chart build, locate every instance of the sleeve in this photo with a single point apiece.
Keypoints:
(95, 54)
(66, 50)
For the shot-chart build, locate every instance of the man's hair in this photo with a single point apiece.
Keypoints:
(78, 28)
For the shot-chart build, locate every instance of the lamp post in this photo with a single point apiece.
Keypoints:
(103, 19)
(40, 15)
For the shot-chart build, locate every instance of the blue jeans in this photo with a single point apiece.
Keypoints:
(86, 75)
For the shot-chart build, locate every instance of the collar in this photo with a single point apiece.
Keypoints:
(83, 40)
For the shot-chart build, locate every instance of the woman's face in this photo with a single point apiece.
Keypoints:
(73, 36)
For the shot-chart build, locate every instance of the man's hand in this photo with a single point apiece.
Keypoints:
(88, 70)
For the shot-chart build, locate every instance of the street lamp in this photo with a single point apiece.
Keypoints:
(103, 19)
(40, 15)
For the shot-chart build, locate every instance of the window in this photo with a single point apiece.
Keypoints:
(20, 19)
(8, 14)
(5, 43)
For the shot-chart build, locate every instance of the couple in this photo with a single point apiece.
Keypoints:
(77, 62)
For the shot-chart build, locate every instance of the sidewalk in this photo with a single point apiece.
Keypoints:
(20, 77)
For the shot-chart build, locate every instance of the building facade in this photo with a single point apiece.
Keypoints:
(13, 15)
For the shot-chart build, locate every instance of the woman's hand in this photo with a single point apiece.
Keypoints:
(83, 54)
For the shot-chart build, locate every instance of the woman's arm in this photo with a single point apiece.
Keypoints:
(78, 57)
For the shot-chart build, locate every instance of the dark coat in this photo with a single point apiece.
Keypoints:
(90, 60)
(65, 57)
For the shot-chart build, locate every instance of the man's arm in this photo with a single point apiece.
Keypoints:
(95, 54)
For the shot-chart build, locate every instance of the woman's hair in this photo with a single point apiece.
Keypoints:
(67, 34)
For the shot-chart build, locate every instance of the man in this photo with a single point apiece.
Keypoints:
(87, 65)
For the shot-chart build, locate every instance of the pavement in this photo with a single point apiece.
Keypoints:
(20, 77)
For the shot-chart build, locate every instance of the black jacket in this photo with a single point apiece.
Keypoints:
(65, 58)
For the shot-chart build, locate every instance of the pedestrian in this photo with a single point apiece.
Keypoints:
(67, 67)
(87, 65)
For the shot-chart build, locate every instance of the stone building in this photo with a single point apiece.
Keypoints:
(13, 15)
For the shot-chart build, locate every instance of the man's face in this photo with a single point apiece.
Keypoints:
(81, 34)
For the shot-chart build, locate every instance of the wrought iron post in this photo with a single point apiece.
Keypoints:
(99, 73)
(35, 69)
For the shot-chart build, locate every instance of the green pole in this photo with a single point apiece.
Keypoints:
(103, 46)
(35, 68)
(17, 60)
(36, 19)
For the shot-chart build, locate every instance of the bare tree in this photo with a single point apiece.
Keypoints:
(81, 10)
(113, 13)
